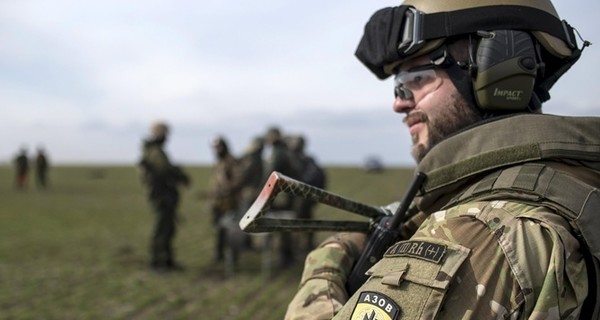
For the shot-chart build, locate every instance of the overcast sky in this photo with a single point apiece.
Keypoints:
(84, 79)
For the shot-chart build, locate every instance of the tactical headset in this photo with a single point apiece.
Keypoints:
(504, 70)
(517, 52)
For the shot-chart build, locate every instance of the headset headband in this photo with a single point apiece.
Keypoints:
(394, 33)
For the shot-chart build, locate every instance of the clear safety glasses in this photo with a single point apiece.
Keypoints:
(417, 78)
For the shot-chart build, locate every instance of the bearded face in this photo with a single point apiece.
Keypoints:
(442, 122)
(433, 106)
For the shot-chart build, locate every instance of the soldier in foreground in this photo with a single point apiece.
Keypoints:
(508, 213)
(162, 179)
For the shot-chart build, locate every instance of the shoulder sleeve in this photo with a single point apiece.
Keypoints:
(483, 260)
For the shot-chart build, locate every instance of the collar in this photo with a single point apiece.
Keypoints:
(508, 141)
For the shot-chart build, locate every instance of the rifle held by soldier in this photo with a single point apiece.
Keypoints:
(383, 226)
(384, 234)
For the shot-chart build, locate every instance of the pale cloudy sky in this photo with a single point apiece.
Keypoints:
(85, 79)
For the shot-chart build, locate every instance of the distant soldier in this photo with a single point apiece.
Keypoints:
(280, 159)
(41, 168)
(223, 194)
(251, 176)
(162, 179)
(310, 172)
(21, 169)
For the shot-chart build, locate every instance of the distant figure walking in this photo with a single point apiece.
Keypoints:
(162, 180)
(21, 169)
(41, 169)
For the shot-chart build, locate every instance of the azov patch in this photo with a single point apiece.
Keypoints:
(375, 306)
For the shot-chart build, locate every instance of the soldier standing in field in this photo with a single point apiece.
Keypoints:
(251, 176)
(280, 159)
(507, 218)
(21, 169)
(41, 168)
(311, 173)
(223, 194)
(162, 179)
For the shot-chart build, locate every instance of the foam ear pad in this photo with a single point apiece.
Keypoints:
(506, 70)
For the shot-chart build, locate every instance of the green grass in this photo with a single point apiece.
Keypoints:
(79, 249)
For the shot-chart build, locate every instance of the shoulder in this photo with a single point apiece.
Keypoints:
(503, 251)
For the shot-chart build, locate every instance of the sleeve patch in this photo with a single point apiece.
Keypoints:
(428, 251)
(375, 306)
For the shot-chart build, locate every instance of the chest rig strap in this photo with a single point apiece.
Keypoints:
(539, 184)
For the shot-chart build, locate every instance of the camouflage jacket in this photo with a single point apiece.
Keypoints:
(224, 185)
(489, 247)
(159, 175)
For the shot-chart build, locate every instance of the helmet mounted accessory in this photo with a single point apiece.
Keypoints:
(541, 47)
(505, 70)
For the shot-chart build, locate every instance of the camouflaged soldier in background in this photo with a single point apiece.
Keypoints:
(280, 159)
(41, 168)
(162, 179)
(250, 174)
(310, 172)
(224, 193)
(21, 169)
(509, 212)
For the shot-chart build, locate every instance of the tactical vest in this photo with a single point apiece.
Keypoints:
(543, 160)
(541, 185)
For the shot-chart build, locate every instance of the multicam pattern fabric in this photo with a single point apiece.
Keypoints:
(322, 288)
(223, 186)
(490, 256)
(322, 294)
(497, 251)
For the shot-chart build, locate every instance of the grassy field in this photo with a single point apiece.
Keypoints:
(79, 250)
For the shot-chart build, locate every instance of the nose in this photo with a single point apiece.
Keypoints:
(403, 105)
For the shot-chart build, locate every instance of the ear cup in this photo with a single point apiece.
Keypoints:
(506, 70)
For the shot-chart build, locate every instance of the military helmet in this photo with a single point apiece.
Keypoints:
(219, 142)
(273, 134)
(159, 129)
(295, 143)
(394, 35)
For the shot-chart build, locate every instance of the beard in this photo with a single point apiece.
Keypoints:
(443, 122)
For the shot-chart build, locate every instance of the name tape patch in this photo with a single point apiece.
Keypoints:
(375, 306)
(429, 251)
